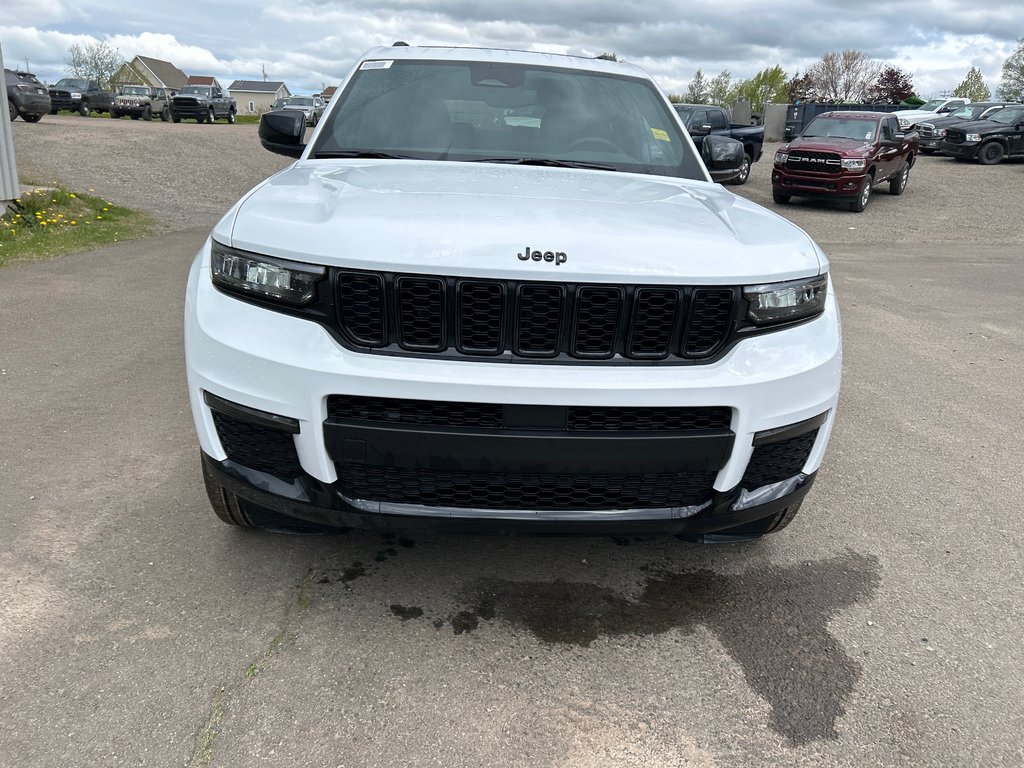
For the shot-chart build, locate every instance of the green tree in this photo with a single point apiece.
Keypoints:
(720, 88)
(93, 61)
(973, 87)
(608, 57)
(769, 86)
(1011, 88)
(697, 90)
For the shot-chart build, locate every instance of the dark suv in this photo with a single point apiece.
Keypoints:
(26, 96)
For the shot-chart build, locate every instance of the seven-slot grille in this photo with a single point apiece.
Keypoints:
(822, 162)
(488, 319)
(955, 137)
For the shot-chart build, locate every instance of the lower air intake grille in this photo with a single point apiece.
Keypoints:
(498, 490)
(257, 447)
(776, 462)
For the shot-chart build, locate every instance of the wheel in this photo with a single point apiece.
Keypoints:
(135, 117)
(147, 114)
(861, 202)
(744, 172)
(175, 118)
(115, 115)
(31, 118)
(781, 198)
(165, 114)
(991, 153)
(84, 109)
(899, 183)
(53, 111)
(11, 110)
(211, 118)
(231, 118)
(245, 514)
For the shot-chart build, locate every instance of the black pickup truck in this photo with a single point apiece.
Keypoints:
(204, 103)
(704, 119)
(79, 95)
(988, 141)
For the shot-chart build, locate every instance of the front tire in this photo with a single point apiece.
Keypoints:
(175, 118)
(744, 172)
(31, 118)
(147, 115)
(231, 117)
(165, 114)
(84, 109)
(991, 153)
(781, 198)
(899, 183)
(11, 111)
(211, 117)
(863, 197)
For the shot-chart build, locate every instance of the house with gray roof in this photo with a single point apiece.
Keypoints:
(144, 70)
(256, 96)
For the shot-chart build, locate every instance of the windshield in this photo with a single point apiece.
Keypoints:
(500, 112)
(684, 113)
(845, 128)
(68, 82)
(931, 106)
(1007, 115)
(203, 90)
(300, 101)
(135, 90)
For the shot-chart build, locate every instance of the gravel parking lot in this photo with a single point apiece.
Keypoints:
(882, 628)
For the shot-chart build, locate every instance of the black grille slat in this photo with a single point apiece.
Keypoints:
(654, 316)
(481, 315)
(819, 162)
(534, 491)
(775, 462)
(361, 308)
(605, 419)
(404, 411)
(596, 321)
(257, 447)
(539, 310)
(421, 312)
(710, 318)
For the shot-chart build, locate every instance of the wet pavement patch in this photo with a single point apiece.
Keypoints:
(406, 612)
(773, 622)
(343, 575)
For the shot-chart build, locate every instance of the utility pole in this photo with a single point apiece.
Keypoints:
(264, 72)
(8, 168)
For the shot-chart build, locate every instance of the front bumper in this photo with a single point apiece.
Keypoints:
(190, 110)
(966, 151)
(280, 373)
(61, 103)
(836, 186)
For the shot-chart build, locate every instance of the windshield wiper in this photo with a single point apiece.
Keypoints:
(546, 162)
(331, 153)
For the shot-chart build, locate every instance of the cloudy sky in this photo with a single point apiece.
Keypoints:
(311, 43)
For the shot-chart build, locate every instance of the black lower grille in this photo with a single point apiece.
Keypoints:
(820, 162)
(257, 447)
(775, 462)
(510, 319)
(576, 418)
(497, 490)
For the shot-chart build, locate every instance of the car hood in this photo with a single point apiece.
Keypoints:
(843, 147)
(914, 114)
(475, 219)
(979, 126)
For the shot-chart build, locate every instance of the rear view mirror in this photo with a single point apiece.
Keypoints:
(723, 157)
(281, 131)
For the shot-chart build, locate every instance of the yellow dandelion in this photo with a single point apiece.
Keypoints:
(42, 223)
(72, 194)
(91, 189)
(99, 217)
(106, 209)
(73, 222)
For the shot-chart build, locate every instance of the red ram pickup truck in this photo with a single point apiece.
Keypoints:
(841, 156)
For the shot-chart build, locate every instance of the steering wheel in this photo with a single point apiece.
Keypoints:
(595, 142)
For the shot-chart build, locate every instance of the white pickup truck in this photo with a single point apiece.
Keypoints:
(501, 289)
(927, 111)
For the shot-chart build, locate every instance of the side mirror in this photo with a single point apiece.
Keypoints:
(723, 157)
(281, 131)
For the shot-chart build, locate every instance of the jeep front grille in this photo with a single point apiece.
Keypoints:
(508, 319)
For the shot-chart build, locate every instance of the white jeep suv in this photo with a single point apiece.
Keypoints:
(501, 289)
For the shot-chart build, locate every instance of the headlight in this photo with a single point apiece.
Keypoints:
(904, 123)
(785, 302)
(940, 132)
(781, 158)
(76, 95)
(972, 137)
(264, 277)
(853, 164)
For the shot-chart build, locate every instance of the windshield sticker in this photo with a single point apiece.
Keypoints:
(660, 135)
(377, 64)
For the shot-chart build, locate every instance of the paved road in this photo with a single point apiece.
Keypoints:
(881, 628)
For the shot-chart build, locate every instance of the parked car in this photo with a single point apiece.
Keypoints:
(26, 96)
(311, 106)
(930, 109)
(79, 95)
(705, 120)
(841, 156)
(988, 141)
(141, 101)
(204, 103)
(438, 317)
(932, 132)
